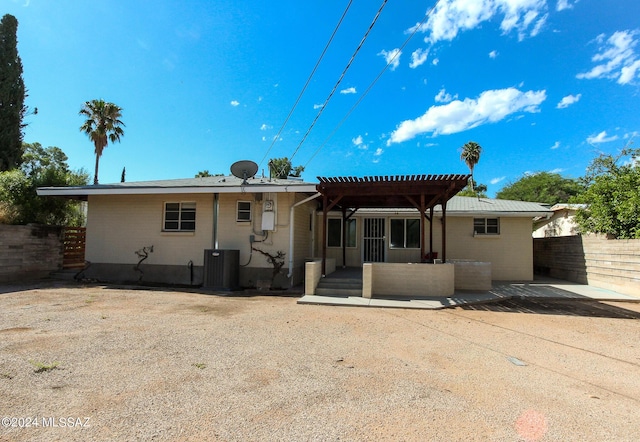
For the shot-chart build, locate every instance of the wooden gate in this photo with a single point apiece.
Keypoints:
(74, 244)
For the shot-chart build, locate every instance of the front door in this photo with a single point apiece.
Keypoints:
(373, 240)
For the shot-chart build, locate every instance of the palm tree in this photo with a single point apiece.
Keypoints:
(102, 125)
(471, 155)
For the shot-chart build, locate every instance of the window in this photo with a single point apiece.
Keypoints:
(180, 217)
(243, 212)
(486, 226)
(405, 234)
(334, 232)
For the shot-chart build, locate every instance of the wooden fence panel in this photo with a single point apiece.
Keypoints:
(74, 246)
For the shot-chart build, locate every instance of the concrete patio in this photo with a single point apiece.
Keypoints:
(542, 288)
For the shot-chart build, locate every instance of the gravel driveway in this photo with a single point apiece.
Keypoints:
(107, 363)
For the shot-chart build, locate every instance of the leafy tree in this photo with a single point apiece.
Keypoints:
(19, 203)
(541, 187)
(471, 156)
(102, 125)
(612, 196)
(12, 95)
(281, 168)
(471, 189)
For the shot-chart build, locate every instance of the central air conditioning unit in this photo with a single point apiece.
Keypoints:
(221, 269)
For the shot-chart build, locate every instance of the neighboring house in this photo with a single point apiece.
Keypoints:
(183, 218)
(561, 223)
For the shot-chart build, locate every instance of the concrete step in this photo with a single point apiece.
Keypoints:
(338, 292)
(332, 284)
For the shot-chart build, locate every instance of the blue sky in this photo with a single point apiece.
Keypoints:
(541, 85)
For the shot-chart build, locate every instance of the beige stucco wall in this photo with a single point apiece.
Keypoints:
(118, 225)
(510, 253)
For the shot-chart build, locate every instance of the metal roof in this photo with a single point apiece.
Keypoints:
(466, 206)
(214, 184)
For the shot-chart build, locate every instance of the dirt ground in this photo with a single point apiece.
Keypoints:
(82, 363)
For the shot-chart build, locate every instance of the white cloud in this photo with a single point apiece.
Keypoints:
(556, 145)
(235, 103)
(616, 58)
(317, 106)
(493, 54)
(444, 97)
(565, 4)
(391, 57)
(628, 73)
(349, 90)
(568, 101)
(497, 180)
(378, 152)
(435, 61)
(490, 107)
(557, 170)
(451, 17)
(265, 127)
(601, 138)
(359, 143)
(418, 57)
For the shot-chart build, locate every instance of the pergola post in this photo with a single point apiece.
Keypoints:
(422, 223)
(325, 201)
(431, 232)
(444, 231)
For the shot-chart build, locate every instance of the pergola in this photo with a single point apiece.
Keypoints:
(422, 192)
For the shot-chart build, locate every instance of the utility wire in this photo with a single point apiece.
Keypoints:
(335, 87)
(415, 30)
(273, 142)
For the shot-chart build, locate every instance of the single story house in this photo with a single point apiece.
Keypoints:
(185, 220)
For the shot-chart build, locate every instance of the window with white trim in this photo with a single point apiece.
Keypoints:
(334, 232)
(243, 211)
(486, 226)
(179, 216)
(405, 233)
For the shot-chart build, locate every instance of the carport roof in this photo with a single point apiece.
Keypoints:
(399, 191)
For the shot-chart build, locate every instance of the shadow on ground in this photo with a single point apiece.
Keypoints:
(569, 307)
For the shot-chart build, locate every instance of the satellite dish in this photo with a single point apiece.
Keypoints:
(244, 169)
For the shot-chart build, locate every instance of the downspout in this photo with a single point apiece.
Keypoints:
(291, 231)
(214, 233)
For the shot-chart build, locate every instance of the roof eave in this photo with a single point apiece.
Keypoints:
(71, 192)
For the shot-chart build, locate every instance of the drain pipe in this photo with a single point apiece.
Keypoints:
(291, 231)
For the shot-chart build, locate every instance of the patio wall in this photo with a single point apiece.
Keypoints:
(606, 263)
(29, 252)
(313, 273)
(391, 279)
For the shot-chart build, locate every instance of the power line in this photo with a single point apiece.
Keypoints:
(335, 87)
(389, 63)
(308, 81)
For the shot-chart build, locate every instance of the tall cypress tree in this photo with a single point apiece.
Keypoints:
(12, 94)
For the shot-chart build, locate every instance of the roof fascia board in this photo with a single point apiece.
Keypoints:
(61, 191)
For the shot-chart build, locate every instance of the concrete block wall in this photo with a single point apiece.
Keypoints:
(29, 252)
(391, 279)
(472, 275)
(591, 259)
(313, 274)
